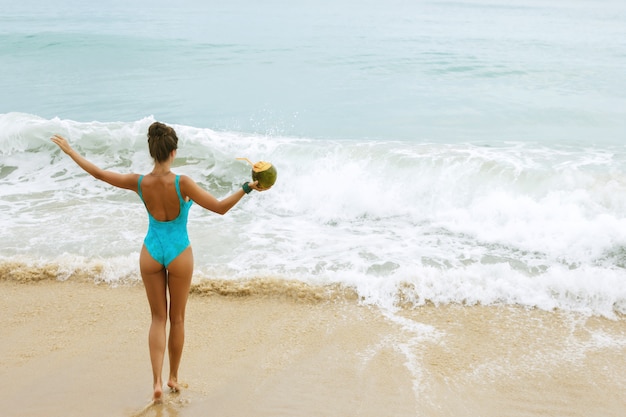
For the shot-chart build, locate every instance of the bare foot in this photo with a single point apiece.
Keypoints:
(158, 394)
(173, 384)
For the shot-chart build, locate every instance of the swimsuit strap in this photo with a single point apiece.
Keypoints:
(139, 187)
(180, 196)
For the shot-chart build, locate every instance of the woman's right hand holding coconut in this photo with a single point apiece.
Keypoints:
(254, 185)
(264, 176)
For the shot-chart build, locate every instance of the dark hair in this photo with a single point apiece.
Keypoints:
(162, 140)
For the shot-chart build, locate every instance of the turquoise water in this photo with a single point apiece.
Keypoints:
(441, 152)
(409, 70)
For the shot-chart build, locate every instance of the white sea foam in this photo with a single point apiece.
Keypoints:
(401, 222)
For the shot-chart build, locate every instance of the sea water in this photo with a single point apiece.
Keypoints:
(445, 152)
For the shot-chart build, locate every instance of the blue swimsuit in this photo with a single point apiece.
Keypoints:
(166, 240)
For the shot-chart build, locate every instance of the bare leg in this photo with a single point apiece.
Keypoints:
(154, 279)
(180, 271)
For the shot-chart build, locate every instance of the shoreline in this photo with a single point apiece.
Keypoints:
(77, 348)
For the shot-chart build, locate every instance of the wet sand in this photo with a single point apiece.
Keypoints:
(80, 349)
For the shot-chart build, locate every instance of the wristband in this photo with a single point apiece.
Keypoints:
(246, 188)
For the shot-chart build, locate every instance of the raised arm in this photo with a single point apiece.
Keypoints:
(127, 181)
(205, 199)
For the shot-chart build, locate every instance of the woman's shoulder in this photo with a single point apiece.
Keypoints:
(185, 180)
(186, 184)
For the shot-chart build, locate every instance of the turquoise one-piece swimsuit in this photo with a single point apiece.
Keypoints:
(166, 240)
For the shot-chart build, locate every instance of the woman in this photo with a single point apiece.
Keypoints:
(166, 259)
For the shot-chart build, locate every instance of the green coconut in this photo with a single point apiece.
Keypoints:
(263, 172)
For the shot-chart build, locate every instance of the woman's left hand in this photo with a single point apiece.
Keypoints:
(62, 143)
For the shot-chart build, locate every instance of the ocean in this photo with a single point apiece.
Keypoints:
(447, 156)
(445, 152)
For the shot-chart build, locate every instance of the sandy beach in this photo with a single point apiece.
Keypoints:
(446, 236)
(80, 349)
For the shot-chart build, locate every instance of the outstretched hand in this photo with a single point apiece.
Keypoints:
(255, 186)
(62, 143)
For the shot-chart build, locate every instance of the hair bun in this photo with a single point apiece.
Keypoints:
(157, 130)
(162, 140)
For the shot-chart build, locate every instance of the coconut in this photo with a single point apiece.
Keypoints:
(263, 172)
